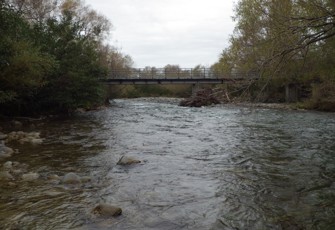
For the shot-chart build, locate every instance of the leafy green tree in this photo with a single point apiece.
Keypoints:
(75, 83)
(23, 66)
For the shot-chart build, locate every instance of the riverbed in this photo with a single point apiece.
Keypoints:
(218, 167)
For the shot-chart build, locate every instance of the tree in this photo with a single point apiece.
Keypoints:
(75, 83)
(172, 71)
(23, 65)
(280, 40)
(116, 63)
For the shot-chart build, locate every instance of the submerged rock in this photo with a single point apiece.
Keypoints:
(8, 166)
(22, 137)
(5, 151)
(107, 210)
(71, 178)
(53, 177)
(124, 160)
(30, 176)
(6, 176)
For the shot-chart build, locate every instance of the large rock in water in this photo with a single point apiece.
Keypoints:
(124, 160)
(71, 178)
(107, 210)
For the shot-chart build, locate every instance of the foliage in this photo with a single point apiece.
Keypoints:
(52, 56)
(285, 41)
(23, 65)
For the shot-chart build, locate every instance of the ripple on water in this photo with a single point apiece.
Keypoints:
(219, 167)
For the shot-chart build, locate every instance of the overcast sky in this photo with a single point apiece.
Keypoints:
(161, 32)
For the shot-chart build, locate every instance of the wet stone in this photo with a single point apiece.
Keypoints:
(71, 178)
(30, 176)
(8, 165)
(5, 151)
(107, 210)
(6, 176)
(125, 160)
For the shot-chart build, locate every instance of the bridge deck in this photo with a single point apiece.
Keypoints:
(119, 81)
(153, 76)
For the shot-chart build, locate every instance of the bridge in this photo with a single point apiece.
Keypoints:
(147, 76)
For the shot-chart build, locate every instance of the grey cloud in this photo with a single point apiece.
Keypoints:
(156, 33)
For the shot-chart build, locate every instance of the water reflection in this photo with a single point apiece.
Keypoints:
(202, 168)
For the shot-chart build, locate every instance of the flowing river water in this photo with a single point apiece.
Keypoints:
(221, 167)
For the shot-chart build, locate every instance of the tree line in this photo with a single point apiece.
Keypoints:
(52, 55)
(288, 42)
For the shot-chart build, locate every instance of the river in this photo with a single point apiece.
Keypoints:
(220, 167)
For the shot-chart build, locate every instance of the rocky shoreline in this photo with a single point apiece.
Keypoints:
(14, 174)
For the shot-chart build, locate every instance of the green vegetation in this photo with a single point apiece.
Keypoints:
(53, 53)
(52, 56)
(291, 44)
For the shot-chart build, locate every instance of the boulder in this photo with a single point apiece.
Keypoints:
(107, 210)
(124, 160)
(71, 178)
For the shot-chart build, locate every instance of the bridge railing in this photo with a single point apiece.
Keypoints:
(177, 73)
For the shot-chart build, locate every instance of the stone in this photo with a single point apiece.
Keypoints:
(22, 137)
(5, 151)
(30, 176)
(71, 178)
(6, 176)
(11, 184)
(107, 210)
(8, 166)
(124, 160)
(36, 141)
(53, 177)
